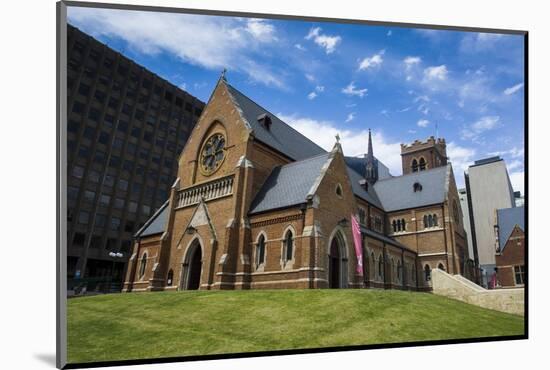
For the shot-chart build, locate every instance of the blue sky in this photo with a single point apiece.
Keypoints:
(327, 78)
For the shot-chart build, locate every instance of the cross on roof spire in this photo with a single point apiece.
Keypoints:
(337, 136)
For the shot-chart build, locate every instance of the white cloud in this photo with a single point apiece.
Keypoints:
(515, 152)
(350, 117)
(389, 33)
(411, 61)
(480, 126)
(183, 86)
(515, 165)
(514, 89)
(327, 42)
(318, 89)
(476, 42)
(436, 73)
(310, 77)
(210, 42)
(300, 47)
(261, 30)
(354, 143)
(423, 123)
(372, 62)
(353, 91)
(460, 157)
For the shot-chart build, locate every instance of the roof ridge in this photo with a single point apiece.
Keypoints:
(439, 168)
(303, 160)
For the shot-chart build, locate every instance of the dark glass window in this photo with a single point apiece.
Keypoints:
(79, 239)
(115, 223)
(72, 192)
(100, 96)
(94, 114)
(260, 251)
(96, 241)
(89, 195)
(89, 133)
(519, 274)
(132, 207)
(78, 172)
(105, 200)
(100, 220)
(288, 245)
(119, 203)
(93, 176)
(123, 184)
(129, 226)
(78, 107)
(83, 152)
(83, 89)
(145, 209)
(99, 157)
(122, 126)
(104, 138)
(83, 217)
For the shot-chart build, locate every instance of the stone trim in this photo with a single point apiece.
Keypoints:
(276, 220)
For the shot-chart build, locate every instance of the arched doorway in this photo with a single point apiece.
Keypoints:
(192, 267)
(337, 272)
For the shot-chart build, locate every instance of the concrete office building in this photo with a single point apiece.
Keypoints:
(488, 189)
(126, 128)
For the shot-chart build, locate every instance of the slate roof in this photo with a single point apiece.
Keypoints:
(507, 219)
(289, 185)
(156, 224)
(280, 135)
(370, 195)
(397, 192)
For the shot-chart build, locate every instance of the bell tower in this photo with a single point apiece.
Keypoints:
(421, 156)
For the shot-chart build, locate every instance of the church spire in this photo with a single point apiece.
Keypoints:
(371, 165)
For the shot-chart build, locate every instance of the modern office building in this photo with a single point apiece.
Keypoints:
(126, 128)
(519, 199)
(488, 188)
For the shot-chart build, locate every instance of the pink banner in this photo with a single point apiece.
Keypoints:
(356, 231)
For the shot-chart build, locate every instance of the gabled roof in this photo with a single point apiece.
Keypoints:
(289, 185)
(397, 193)
(370, 195)
(279, 136)
(156, 224)
(507, 219)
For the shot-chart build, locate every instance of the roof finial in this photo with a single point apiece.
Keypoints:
(223, 74)
(337, 136)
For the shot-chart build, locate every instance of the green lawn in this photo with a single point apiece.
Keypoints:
(162, 324)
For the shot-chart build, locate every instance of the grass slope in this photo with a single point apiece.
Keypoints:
(164, 324)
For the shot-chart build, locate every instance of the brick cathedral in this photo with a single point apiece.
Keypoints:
(258, 205)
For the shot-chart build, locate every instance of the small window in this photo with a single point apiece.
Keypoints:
(170, 278)
(288, 253)
(441, 267)
(414, 165)
(260, 251)
(339, 190)
(417, 187)
(422, 164)
(142, 266)
(380, 267)
(519, 272)
(427, 273)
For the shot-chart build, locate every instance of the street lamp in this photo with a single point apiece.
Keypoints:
(114, 256)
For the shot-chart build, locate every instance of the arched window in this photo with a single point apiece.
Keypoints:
(373, 265)
(260, 251)
(440, 266)
(425, 221)
(170, 278)
(427, 273)
(288, 246)
(422, 164)
(394, 225)
(403, 224)
(142, 265)
(430, 221)
(414, 166)
(380, 267)
(435, 220)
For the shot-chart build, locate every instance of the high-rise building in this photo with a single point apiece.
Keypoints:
(488, 188)
(126, 128)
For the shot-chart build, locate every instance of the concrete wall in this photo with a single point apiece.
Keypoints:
(466, 217)
(462, 289)
(490, 189)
